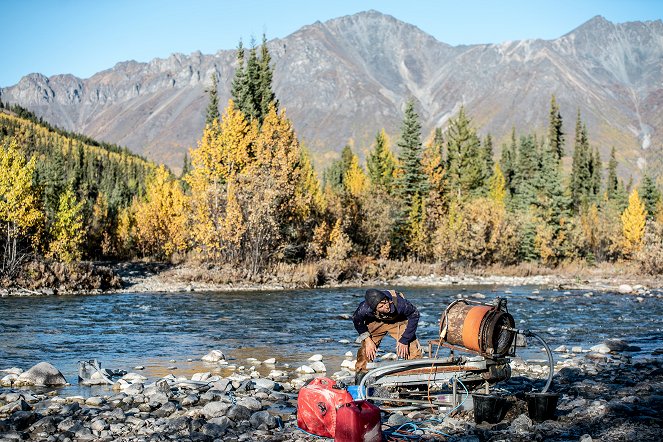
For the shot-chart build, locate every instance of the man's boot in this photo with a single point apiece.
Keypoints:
(359, 376)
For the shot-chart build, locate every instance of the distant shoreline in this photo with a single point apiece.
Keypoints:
(140, 277)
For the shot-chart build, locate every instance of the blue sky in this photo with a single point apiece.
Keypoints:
(83, 37)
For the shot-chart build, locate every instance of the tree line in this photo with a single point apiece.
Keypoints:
(249, 197)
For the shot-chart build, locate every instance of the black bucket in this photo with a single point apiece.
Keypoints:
(542, 406)
(489, 408)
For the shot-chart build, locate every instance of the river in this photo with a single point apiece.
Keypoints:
(161, 331)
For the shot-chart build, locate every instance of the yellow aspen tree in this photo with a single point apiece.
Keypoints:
(309, 188)
(222, 151)
(497, 185)
(355, 181)
(20, 215)
(340, 244)
(161, 218)
(633, 224)
(125, 231)
(233, 227)
(67, 230)
(416, 228)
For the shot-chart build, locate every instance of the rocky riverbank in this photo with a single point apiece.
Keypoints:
(49, 278)
(603, 395)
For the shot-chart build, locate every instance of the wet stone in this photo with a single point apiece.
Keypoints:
(239, 413)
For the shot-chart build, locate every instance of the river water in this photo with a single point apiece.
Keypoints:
(169, 333)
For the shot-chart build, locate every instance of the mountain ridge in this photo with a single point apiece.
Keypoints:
(344, 79)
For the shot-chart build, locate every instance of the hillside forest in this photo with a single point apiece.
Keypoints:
(249, 197)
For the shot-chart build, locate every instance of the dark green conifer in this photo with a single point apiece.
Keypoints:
(213, 106)
(650, 195)
(555, 133)
(413, 180)
(612, 181)
(581, 177)
(464, 161)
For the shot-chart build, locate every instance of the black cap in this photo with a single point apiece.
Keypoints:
(373, 297)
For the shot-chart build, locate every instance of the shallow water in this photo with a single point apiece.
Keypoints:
(161, 331)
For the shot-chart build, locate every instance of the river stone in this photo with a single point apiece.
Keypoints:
(560, 349)
(251, 403)
(269, 361)
(95, 401)
(521, 425)
(165, 410)
(214, 356)
(263, 418)
(23, 419)
(13, 407)
(158, 398)
(264, 383)
(316, 357)
(134, 389)
(306, 369)
(99, 425)
(133, 377)
(42, 374)
(239, 413)
(191, 399)
(201, 376)
(319, 367)
(46, 424)
(215, 409)
(213, 431)
(625, 289)
(348, 364)
(223, 385)
(601, 348)
(8, 380)
(13, 370)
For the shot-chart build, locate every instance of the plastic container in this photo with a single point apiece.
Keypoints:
(354, 392)
(317, 403)
(489, 408)
(358, 421)
(542, 406)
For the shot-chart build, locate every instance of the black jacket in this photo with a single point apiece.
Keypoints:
(400, 311)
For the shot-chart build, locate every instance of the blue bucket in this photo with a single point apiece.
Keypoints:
(354, 391)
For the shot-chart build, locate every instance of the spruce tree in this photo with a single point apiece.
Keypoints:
(595, 167)
(411, 184)
(508, 161)
(213, 106)
(651, 195)
(412, 181)
(238, 88)
(266, 94)
(335, 174)
(486, 162)
(464, 160)
(555, 133)
(581, 177)
(526, 177)
(612, 181)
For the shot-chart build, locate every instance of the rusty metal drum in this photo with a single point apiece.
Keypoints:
(478, 327)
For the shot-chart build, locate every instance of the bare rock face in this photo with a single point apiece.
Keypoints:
(42, 374)
(349, 77)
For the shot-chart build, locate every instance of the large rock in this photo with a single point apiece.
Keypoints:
(215, 409)
(239, 413)
(214, 356)
(261, 418)
(42, 374)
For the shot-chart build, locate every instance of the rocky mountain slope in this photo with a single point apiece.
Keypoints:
(343, 80)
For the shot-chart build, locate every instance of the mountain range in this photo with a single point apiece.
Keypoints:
(343, 80)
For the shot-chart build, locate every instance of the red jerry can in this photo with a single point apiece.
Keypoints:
(316, 406)
(358, 421)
